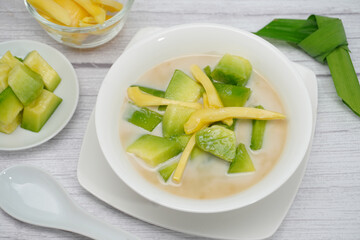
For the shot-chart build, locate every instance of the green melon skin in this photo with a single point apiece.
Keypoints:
(9, 128)
(233, 70)
(9, 59)
(218, 141)
(154, 150)
(49, 76)
(151, 91)
(4, 73)
(10, 106)
(37, 113)
(231, 95)
(26, 84)
(181, 88)
(242, 161)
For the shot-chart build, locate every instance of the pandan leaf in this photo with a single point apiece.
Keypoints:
(345, 79)
(324, 39)
(322, 42)
(290, 30)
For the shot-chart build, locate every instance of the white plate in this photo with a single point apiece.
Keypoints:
(68, 90)
(257, 221)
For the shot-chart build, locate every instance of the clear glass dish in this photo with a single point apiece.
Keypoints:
(84, 37)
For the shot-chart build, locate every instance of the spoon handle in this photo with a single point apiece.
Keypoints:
(86, 225)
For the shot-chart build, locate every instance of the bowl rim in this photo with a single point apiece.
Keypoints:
(267, 192)
(117, 17)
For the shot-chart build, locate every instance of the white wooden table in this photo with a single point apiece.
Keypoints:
(327, 205)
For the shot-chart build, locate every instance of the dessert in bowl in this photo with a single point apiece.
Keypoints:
(204, 44)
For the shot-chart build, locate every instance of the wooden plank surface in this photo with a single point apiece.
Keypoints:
(327, 205)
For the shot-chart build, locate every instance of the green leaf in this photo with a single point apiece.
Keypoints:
(322, 42)
(324, 39)
(290, 30)
(344, 77)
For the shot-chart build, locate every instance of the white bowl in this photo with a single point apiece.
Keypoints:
(199, 39)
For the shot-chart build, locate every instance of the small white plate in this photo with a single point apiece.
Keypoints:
(68, 90)
(257, 221)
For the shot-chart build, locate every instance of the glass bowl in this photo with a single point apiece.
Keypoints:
(84, 37)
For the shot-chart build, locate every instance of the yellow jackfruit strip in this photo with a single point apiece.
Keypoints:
(50, 19)
(179, 171)
(89, 20)
(143, 99)
(214, 100)
(93, 9)
(205, 116)
(75, 10)
(52, 9)
(205, 100)
(109, 5)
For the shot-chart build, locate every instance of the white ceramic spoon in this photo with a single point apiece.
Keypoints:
(32, 196)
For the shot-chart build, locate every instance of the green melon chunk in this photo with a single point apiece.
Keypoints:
(182, 140)
(197, 152)
(258, 131)
(36, 63)
(9, 59)
(174, 119)
(232, 96)
(26, 84)
(9, 128)
(142, 117)
(232, 69)
(242, 161)
(154, 150)
(167, 171)
(10, 106)
(4, 73)
(217, 140)
(37, 113)
(181, 88)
